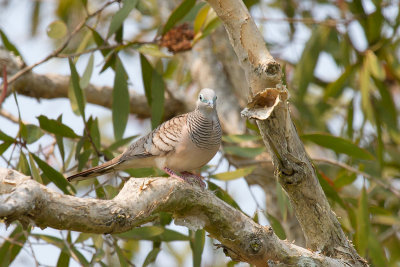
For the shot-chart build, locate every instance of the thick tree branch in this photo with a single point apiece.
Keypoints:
(23, 199)
(269, 106)
(56, 86)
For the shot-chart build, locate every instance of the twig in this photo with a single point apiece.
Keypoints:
(328, 22)
(56, 52)
(7, 115)
(31, 248)
(366, 175)
(5, 85)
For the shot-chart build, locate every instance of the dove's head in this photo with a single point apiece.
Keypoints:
(207, 100)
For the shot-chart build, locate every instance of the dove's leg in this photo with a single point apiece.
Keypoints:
(186, 177)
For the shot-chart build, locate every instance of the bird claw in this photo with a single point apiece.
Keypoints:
(187, 177)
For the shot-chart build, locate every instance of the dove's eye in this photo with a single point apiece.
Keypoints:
(201, 97)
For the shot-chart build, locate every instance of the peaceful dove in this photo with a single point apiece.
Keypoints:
(182, 144)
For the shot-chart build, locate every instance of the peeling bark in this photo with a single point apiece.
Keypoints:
(268, 104)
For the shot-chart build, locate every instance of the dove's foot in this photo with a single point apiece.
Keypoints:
(187, 177)
(198, 178)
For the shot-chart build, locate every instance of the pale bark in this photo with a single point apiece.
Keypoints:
(269, 106)
(139, 201)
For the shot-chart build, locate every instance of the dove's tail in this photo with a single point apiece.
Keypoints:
(104, 168)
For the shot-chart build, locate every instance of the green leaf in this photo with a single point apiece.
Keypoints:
(365, 88)
(120, 104)
(147, 73)
(122, 260)
(363, 227)
(386, 220)
(276, 226)
(78, 93)
(344, 179)
(57, 178)
(6, 138)
(121, 142)
(109, 62)
(100, 193)
(60, 144)
(63, 259)
(151, 50)
(246, 152)
(9, 250)
(239, 138)
(238, 173)
(328, 188)
(350, 119)
(56, 127)
(374, 66)
(304, 72)
(191, 15)
(82, 260)
(387, 109)
(83, 158)
(197, 246)
(4, 146)
(151, 257)
(170, 235)
(141, 172)
(83, 237)
(211, 26)
(30, 133)
(23, 165)
(34, 169)
(58, 242)
(222, 194)
(100, 42)
(140, 233)
(376, 251)
(120, 16)
(200, 18)
(95, 133)
(153, 233)
(8, 45)
(157, 94)
(154, 90)
(178, 14)
(84, 82)
(339, 145)
(335, 88)
(57, 29)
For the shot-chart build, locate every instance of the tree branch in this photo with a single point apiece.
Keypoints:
(23, 199)
(269, 106)
(56, 86)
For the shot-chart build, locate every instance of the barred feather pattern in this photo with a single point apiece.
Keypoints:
(204, 133)
(167, 136)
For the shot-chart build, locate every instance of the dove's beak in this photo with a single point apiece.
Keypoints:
(210, 104)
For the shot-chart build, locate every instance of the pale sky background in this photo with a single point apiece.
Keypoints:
(14, 20)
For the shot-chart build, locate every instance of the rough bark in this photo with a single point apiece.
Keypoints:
(268, 104)
(139, 201)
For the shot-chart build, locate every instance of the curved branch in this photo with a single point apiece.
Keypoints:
(56, 86)
(23, 199)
